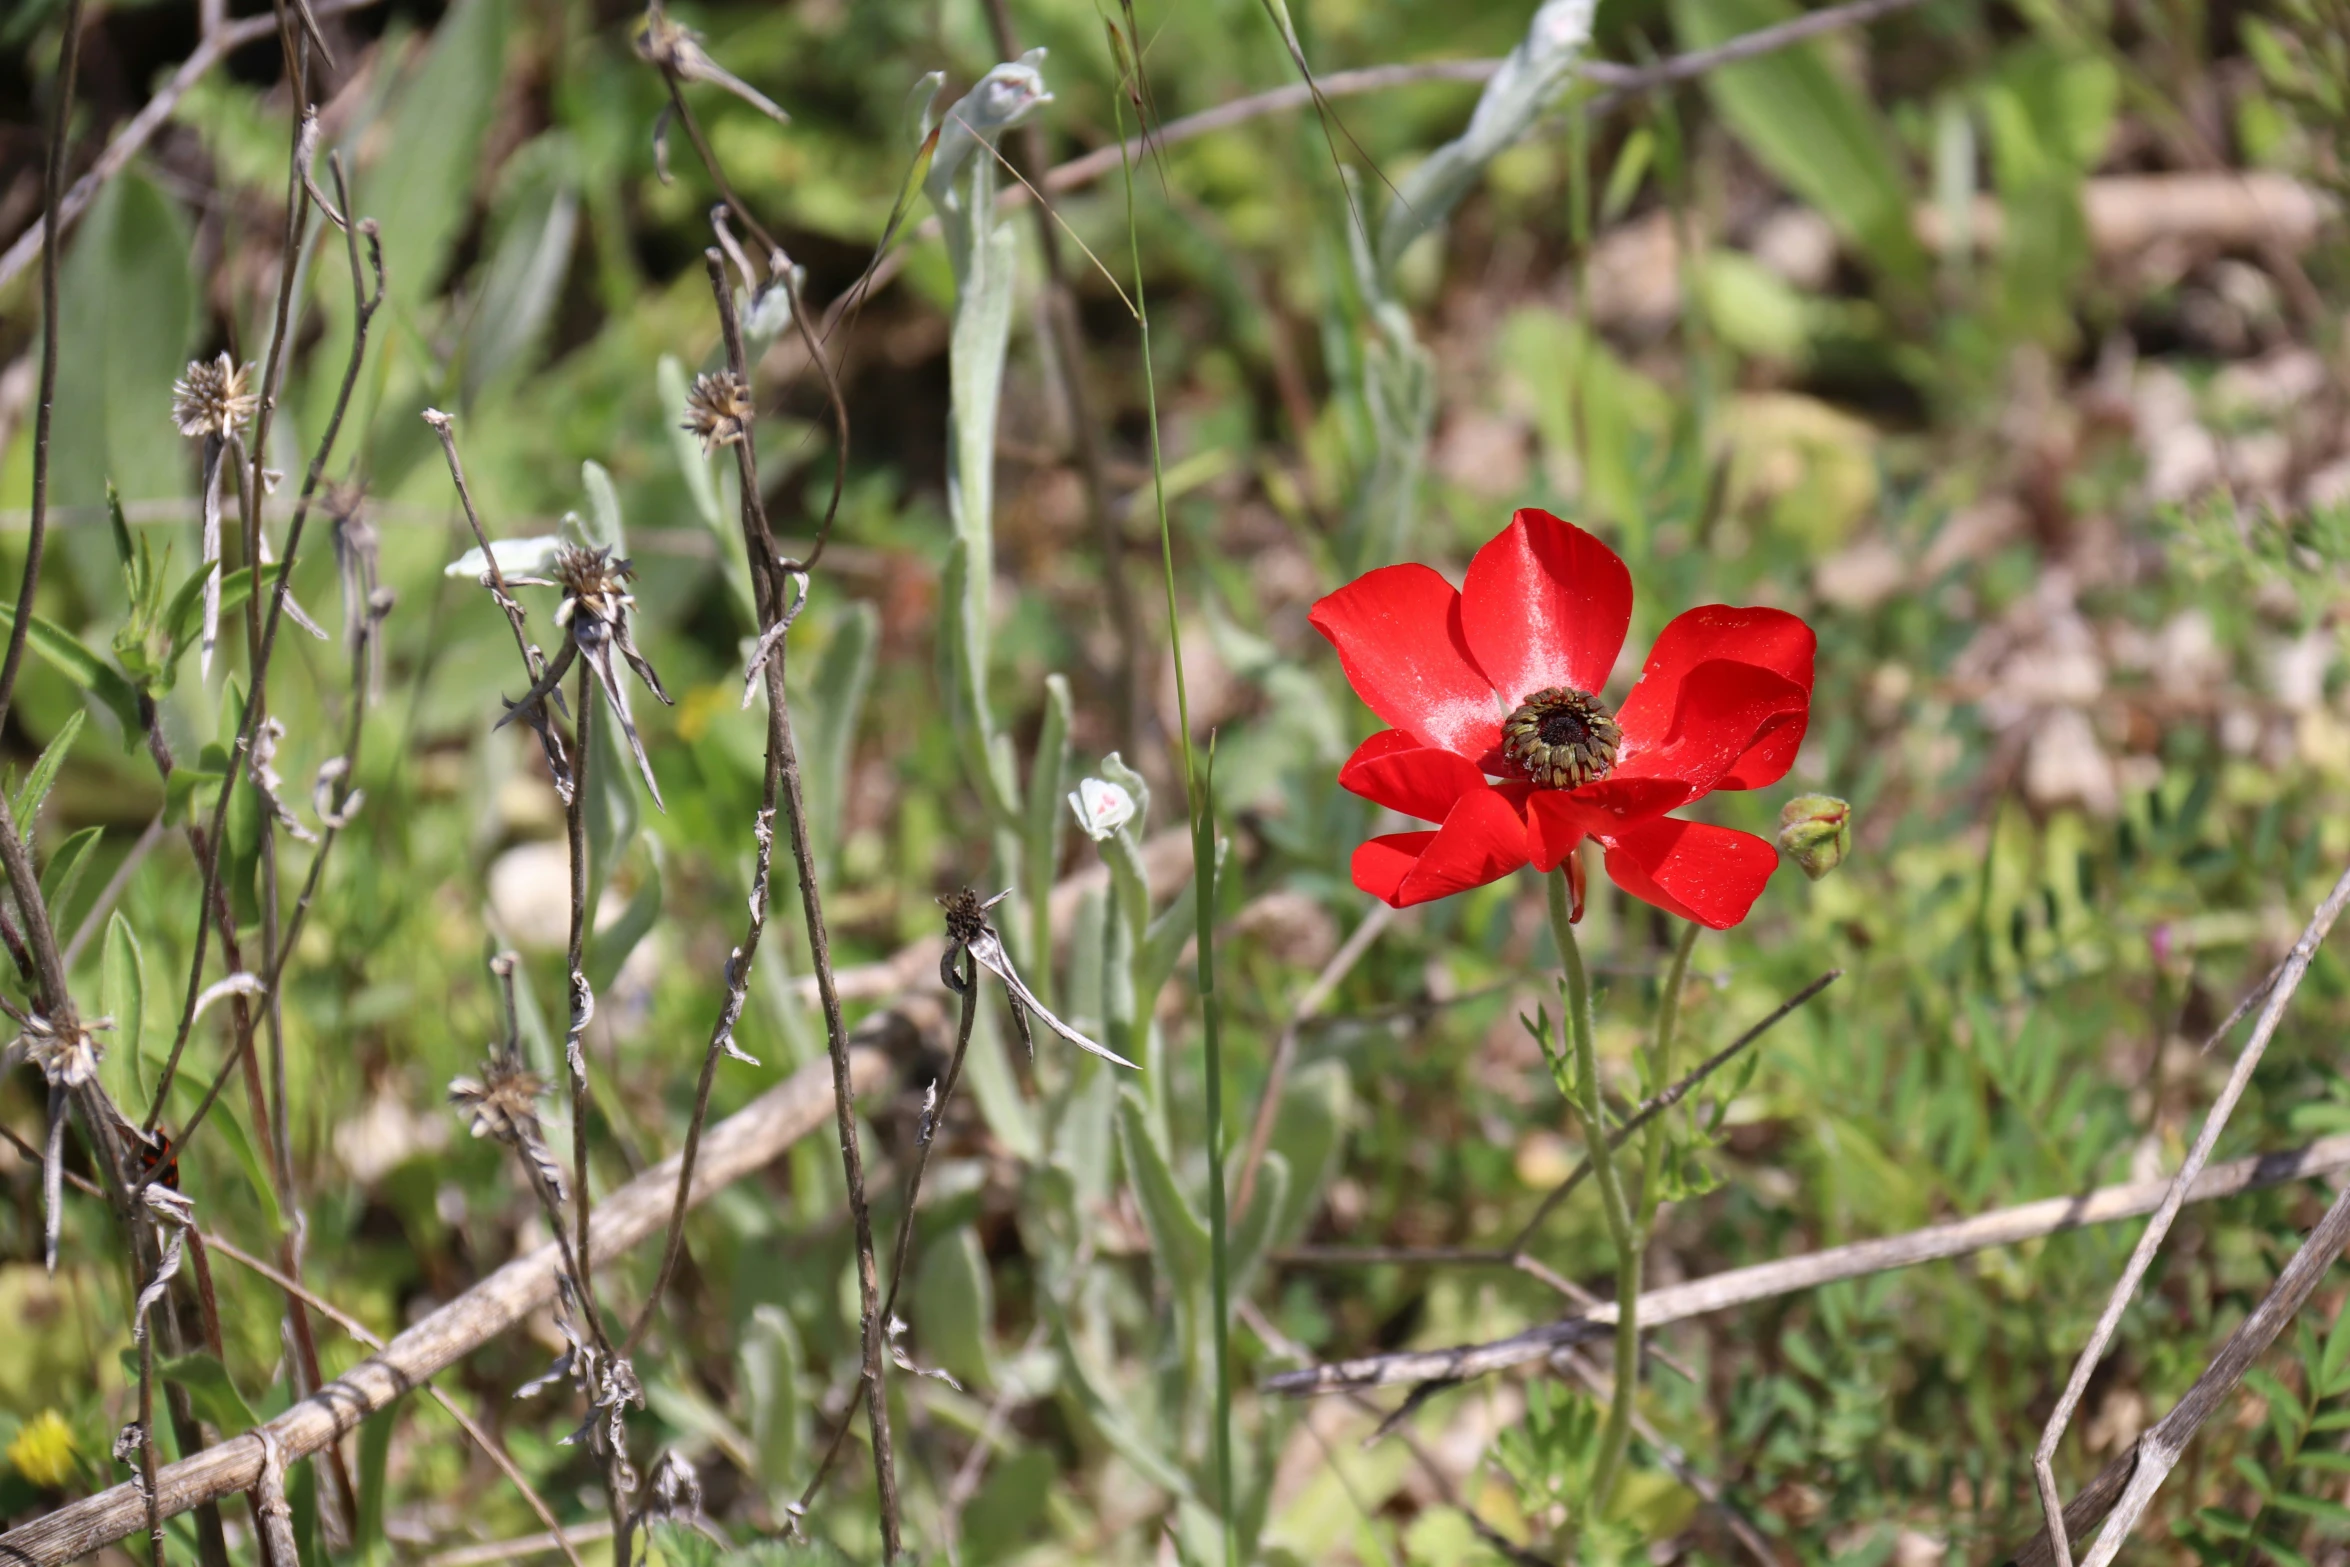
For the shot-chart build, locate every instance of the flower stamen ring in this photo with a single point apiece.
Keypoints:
(1561, 738)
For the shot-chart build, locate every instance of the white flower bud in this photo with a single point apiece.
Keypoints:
(1102, 808)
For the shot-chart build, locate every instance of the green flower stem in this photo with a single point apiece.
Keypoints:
(1199, 798)
(1660, 1067)
(1617, 1434)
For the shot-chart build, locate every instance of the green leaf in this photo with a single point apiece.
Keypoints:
(609, 947)
(700, 484)
(828, 723)
(2330, 1516)
(1109, 1417)
(612, 813)
(1809, 128)
(681, 1545)
(420, 198)
(1179, 1236)
(954, 1306)
(1008, 1511)
(81, 666)
(2282, 1400)
(2319, 1458)
(987, 1067)
(523, 279)
(375, 1450)
(772, 1366)
(1309, 1131)
(240, 1143)
(183, 618)
(1252, 1237)
(1048, 813)
(64, 872)
(180, 804)
(128, 303)
(37, 783)
(603, 526)
(2284, 1554)
(302, 1497)
(211, 1390)
(1162, 945)
(122, 996)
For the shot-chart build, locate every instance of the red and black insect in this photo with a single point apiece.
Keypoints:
(159, 1158)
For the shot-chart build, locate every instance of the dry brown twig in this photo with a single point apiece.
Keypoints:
(770, 583)
(2125, 1487)
(1809, 1270)
(737, 1146)
(2279, 991)
(489, 1445)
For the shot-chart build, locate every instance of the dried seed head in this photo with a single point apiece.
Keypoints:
(718, 410)
(503, 1102)
(966, 917)
(66, 1049)
(213, 398)
(1561, 738)
(593, 583)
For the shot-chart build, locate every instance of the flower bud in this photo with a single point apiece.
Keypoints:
(1815, 831)
(1102, 808)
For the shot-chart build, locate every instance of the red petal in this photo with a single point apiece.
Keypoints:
(1545, 604)
(1484, 839)
(1398, 772)
(1398, 635)
(1381, 864)
(1701, 872)
(1557, 819)
(1771, 638)
(1766, 761)
(1722, 712)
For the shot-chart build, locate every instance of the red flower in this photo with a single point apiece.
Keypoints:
(1501, 737)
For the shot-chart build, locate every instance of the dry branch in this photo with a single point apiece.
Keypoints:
(2125, 1486)
(742, 1143)
(142, 126)
(2279, 993)
(1744, 1286)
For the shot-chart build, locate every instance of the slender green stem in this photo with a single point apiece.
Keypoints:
(1660, 1066)
(1617, 1434)
(1199, 796)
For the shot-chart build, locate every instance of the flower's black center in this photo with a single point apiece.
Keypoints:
(1561, 738)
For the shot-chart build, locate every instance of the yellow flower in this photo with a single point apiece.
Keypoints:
(43, 1450)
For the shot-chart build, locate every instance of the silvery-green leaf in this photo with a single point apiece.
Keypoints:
(831, 711)
(954, 1307)
(772, 1367)
(527, 557)
(1040, 835)
(987, 1067)
(602, 526)
(998, 101)
(927, 89)
(1529, 80)
(1309, 1131)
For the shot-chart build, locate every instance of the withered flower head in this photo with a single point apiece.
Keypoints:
(213, 398)
(718, 410)
(966, 916)
(66, 1049)
(592, 582)
(503, 1102)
